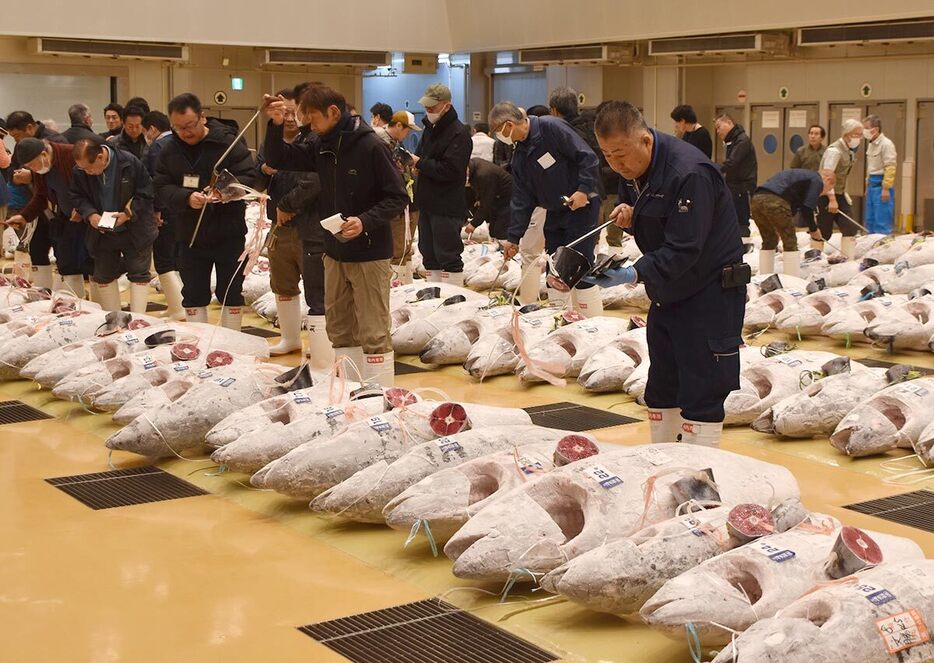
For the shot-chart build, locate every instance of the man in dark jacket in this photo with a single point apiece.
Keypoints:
(131, 138)
(21, 124)
(490, 187)
(690, 130)
(183, 177)
(80, 116)
(675, 203)
(297, 238)
(739, 168)
(552, 168)
(441, 161)
(112, 191)
(360, 185)
(113, 118)
(51, 165)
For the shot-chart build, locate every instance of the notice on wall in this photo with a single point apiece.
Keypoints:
(851, 114)
(797, 119)
(771, 119)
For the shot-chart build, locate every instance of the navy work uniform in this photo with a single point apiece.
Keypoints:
(551, 162)
(685, 224)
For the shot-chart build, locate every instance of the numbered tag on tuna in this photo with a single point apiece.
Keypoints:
(693, 524)
(602, 476)
(204, 375)
(498, 311)
(180, 367)
(530, 466)
(875, 595)
(379, 424)
(128, 338)
(590, 329)
(773, 553)
(299, 397)
(146, 361)
(914, 389)
(447, 444)
(903, 631)
(225, 382)
(17, 309)
(789, 361)
(66, 323)
(331, 412)
(654, 456)
(535, 323)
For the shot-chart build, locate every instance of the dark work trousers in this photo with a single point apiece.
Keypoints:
(195, 265)
(71, 250)
(313, 277)
(694, 352)
(826, 220)
(439, 241)
(741, 205)
(41, 242)
(166, 249)
(563, 226)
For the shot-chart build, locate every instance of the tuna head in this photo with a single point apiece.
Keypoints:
(451, 345)
(88, 381)
(782, 640)
(607, 368)
(872, 428)
(554, 354)
(742, 405)
(444, 506)
(494, 354)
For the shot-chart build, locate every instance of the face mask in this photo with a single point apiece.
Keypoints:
(853, 143)
(44, 170)
(433, 117)
(503, 138)
(867, 134)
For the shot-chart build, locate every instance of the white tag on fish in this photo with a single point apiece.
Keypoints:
(590, 329)
(379, 424)
(17, 309)
(914, 389)
(530, 466)
(903, 630)
(66, 323)
(330, 412)
(788, 361)
(873, 594)
(773, 553)
(446, 444)
(534, 323)
(204, 375)
(602, 476)
(546, 161)
(225, 382)
(128, 338)
(300, 397)
(180, 366)
(498, 311)
(146, 361)
(654, 456)
(841, 294)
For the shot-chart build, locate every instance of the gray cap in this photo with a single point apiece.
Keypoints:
(28, 149)
(435, 94)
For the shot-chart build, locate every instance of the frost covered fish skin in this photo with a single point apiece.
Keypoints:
(904, 280)
(496, 353)
(806, 317)
(449, 497)
(818, 409)
(771, 572)
(840, 624)
(921, 252)
(411, 337)
(314, 467)
(762, 312)
(254, 451)
(908, 326)
(889, 248)
(566, 349)
(767, 382)
(182, 424)
(578, 507)
(620, 576)
(45, 307)
(893, 417)
(608, 367)
(363, 496)
(851, 322)
(452, 344)
(154, 398)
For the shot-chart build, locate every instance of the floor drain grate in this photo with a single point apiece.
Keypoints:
(15, 412)
(570, 416)
(138, 485)
(430, 631)
(915, 509)
(402, 368)
(258, 331)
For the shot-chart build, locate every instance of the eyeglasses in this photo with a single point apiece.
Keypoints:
(188, 128)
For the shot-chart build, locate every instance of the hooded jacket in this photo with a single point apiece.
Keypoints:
(296, 193)
(740, 167)
(357, 178)
(178, 159)
(443, 152)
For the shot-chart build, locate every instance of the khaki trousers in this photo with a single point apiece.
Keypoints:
(356, 303)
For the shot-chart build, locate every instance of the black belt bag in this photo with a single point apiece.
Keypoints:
(736, 275)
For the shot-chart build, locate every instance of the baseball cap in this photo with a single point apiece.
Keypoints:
(435, 94)
(405, 118)
(28, 149)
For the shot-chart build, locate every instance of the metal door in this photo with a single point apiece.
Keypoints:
(856, 183)
(893, 114)
(924, 167)
(241, 116)
(767, 132)
(798, 118)
(737, 113)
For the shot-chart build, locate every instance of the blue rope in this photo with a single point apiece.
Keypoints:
(514, 577)
(694, 642)
(417, 525)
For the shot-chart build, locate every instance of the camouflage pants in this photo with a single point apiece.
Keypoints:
(773, 217)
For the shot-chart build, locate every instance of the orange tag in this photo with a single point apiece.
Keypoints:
(903, 631)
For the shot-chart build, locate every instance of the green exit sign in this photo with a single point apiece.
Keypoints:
(236, 83)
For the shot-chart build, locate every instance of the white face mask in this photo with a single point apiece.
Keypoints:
(44, 170)
(503, 138)
(867, 134)
(853, 143)
(434, 117)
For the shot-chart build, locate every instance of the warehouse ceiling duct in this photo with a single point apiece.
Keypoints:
(108, 49)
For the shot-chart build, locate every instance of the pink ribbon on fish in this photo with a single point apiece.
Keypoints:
(256, 241)
(540, 369)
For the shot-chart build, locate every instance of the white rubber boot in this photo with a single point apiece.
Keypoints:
(41, 276)
(453, 278)
(791, 263)
(74, 283)
(318, 350)
(588, 302)
(352, 368)
(556, 298)
(665, 424)
(289, 310)
(139, 297)
(231, 317)
(171, 284)
(701, 433)
(380, 369)
(196, 314)
(766, 261)
(108, 296)
(433, 275)
(848, 247)
(529, 287)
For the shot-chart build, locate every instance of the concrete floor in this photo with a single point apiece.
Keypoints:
(229, 576)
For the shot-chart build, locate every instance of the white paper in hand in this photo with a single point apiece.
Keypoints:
(108, 221)
(333, 223)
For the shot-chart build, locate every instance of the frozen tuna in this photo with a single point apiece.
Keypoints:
(563, 352)
(497, 354)
(608, 367)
